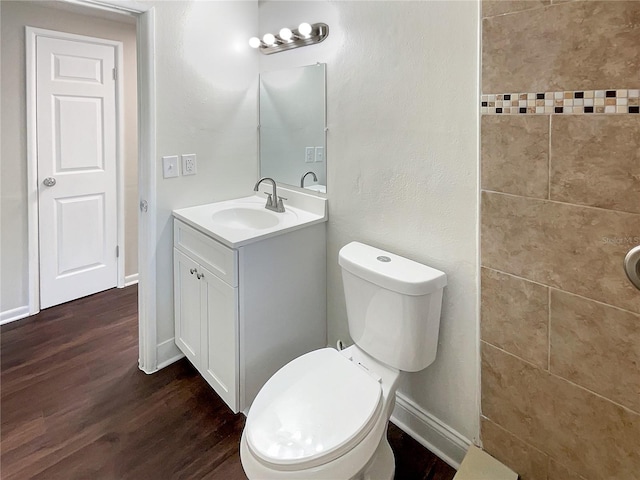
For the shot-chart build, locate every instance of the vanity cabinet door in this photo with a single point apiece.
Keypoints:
(220, 353)
(188, 323)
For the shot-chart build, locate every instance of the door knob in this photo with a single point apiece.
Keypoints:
(632, 266)
(49, 182)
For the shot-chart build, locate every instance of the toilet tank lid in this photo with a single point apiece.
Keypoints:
(389, 270)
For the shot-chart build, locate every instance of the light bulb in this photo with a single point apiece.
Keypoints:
(286, 34)
(269, 39)
(304, 29)
(254, 42)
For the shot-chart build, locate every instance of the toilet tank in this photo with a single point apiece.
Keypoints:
(393, 305)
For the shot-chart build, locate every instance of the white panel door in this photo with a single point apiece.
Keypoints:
(76, 139)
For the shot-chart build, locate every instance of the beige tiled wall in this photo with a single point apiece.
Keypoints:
(581, 45)
(560, 323)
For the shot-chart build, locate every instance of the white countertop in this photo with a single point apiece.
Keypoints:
(301, 210)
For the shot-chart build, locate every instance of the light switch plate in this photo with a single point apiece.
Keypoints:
(189, 166)
(319, 154)
(170, 166)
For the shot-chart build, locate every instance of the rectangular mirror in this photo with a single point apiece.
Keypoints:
(292, 126)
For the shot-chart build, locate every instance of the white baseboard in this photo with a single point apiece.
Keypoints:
(130, 279)
(14, 314)
(167, 353)
(429, 431)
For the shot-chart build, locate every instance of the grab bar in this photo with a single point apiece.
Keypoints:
(632, 266)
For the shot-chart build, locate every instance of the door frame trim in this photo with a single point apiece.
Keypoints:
(32, 34)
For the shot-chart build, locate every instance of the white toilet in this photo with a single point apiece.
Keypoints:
(324, 415)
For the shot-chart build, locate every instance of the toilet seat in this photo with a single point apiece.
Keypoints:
(312, 411)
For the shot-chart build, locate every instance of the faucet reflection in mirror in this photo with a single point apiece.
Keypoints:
(315, 178)
(287, 39)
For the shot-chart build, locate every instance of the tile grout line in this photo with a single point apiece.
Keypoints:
(535, 282)
(549, 162)
(558, 377)
(579, 205)
(525, 10)
(549, 456)
(549, 330)
(506, 430)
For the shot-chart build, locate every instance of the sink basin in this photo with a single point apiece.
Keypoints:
(245, 220)
(317, 188)
(242, 218)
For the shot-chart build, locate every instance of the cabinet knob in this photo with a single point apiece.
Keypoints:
(194, 270)
(200, 275)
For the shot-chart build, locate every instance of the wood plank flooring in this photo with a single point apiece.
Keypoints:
(74, 405)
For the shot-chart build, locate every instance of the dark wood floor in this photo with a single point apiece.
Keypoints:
(75, 406)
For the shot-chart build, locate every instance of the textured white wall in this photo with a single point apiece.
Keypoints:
(402, 153)
(207, 80)
(15, 15)
(207, 83)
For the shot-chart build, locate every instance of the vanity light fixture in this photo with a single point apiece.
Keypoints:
(287, 39)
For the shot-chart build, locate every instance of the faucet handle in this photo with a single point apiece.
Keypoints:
(269, 199)
(280, 206)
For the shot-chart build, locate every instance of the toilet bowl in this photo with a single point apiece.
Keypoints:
(324, 415)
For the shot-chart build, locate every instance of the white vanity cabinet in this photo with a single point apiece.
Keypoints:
(242, 313)
(206, 309)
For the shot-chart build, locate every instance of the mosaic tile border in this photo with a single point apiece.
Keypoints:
(572, 102)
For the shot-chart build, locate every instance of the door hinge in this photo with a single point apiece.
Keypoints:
(117, 251)
(115, 74)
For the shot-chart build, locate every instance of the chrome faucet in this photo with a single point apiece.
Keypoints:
(274, 202)
(315, 179)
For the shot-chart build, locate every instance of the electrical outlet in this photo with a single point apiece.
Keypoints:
(170, 166)
(309, 155)
(189, 164)
(319, 154)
